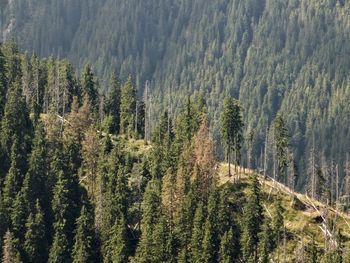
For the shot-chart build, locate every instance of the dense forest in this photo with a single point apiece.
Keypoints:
(84, 178)
(285, 56)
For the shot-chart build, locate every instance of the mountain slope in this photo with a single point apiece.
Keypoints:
(285, 56)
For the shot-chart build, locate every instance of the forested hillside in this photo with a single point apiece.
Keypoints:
(287, 56)
(82, 179)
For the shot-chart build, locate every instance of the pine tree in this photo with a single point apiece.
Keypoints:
(151, 214)
(14, 178)
(16, 124)
(210, 244)
(280, 133)
(278, 221)
(227, 253)
(10, 254)
(252, 219)
(3, 84)
(127, 108)
(117, 247)
(113, 104)
(35, 245)
(34, 186)
(197, 235)
(266, 242)
(84, 249)
(89, 87)
(231, 125)
(64, 205)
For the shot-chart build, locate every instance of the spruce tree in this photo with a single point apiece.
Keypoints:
(35, 245)
(15, 124)
(117, 247)
(84, 249)
(9, 252)
(127, 108)
(280, 133)
(151, 214)
(210, 243)
(3, 84)
(197, 235)
(266, 242)
(89, 87)
(252, 220)
(227, 253)
(64, 206)
(113, 104)
(231, 125)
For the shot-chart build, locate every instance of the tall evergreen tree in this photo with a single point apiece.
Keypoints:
(252, 221)
(65, 206)
(231, 124)
(127, 108)
(88, 86)
(16, 124)
(3, 83)
(227, 253)
(113, 104)
(117, 247)
(85, 248)
(197, 235)
(35, 245)
(266, 242)
(280, 133)
(10, 254)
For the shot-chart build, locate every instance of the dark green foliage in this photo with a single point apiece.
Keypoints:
(281, 143)
(64, 206)
(128, 108)
(197, 235)
(146, 252)
(117, 247)
(88, 86)
(252, 221)
(113, 104)
(227, 252)
(16, 125)
(266, 242)
(231, 126)
(3, 83)
(35, 245)
(84, 250)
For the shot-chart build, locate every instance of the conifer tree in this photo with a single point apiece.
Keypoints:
(85, 248)
(210, 244)
(13, 62)
(197, 235)
(10, 254)
(117, 247)
(16, 124)
(227, 252)
(252, 219)
(35, 245)
(231, 125)
(3, 84)
(88, 86)
(14, 178)
(266, 242)
(65, 206)
(127, 108)
(278, 221)
(113, 104)
(151, 214)
(280, 133)
(34, 186)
